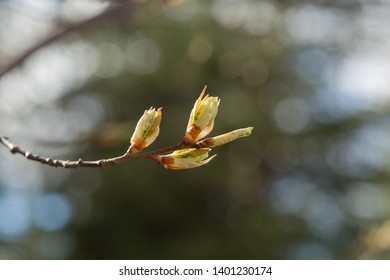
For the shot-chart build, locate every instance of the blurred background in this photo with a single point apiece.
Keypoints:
(312, 182)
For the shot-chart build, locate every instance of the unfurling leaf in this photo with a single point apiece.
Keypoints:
(185, 158)
(146, 131)
(202, 117)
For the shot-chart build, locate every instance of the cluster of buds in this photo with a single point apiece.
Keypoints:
(200, 124)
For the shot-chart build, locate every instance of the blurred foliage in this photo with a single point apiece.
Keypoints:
(312, 181)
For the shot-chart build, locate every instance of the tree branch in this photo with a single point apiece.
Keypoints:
(189, 140)
(14, 149)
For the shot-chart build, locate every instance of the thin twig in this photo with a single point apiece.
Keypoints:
(14, 149)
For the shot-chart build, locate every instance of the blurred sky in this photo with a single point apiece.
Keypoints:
(312, 181)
